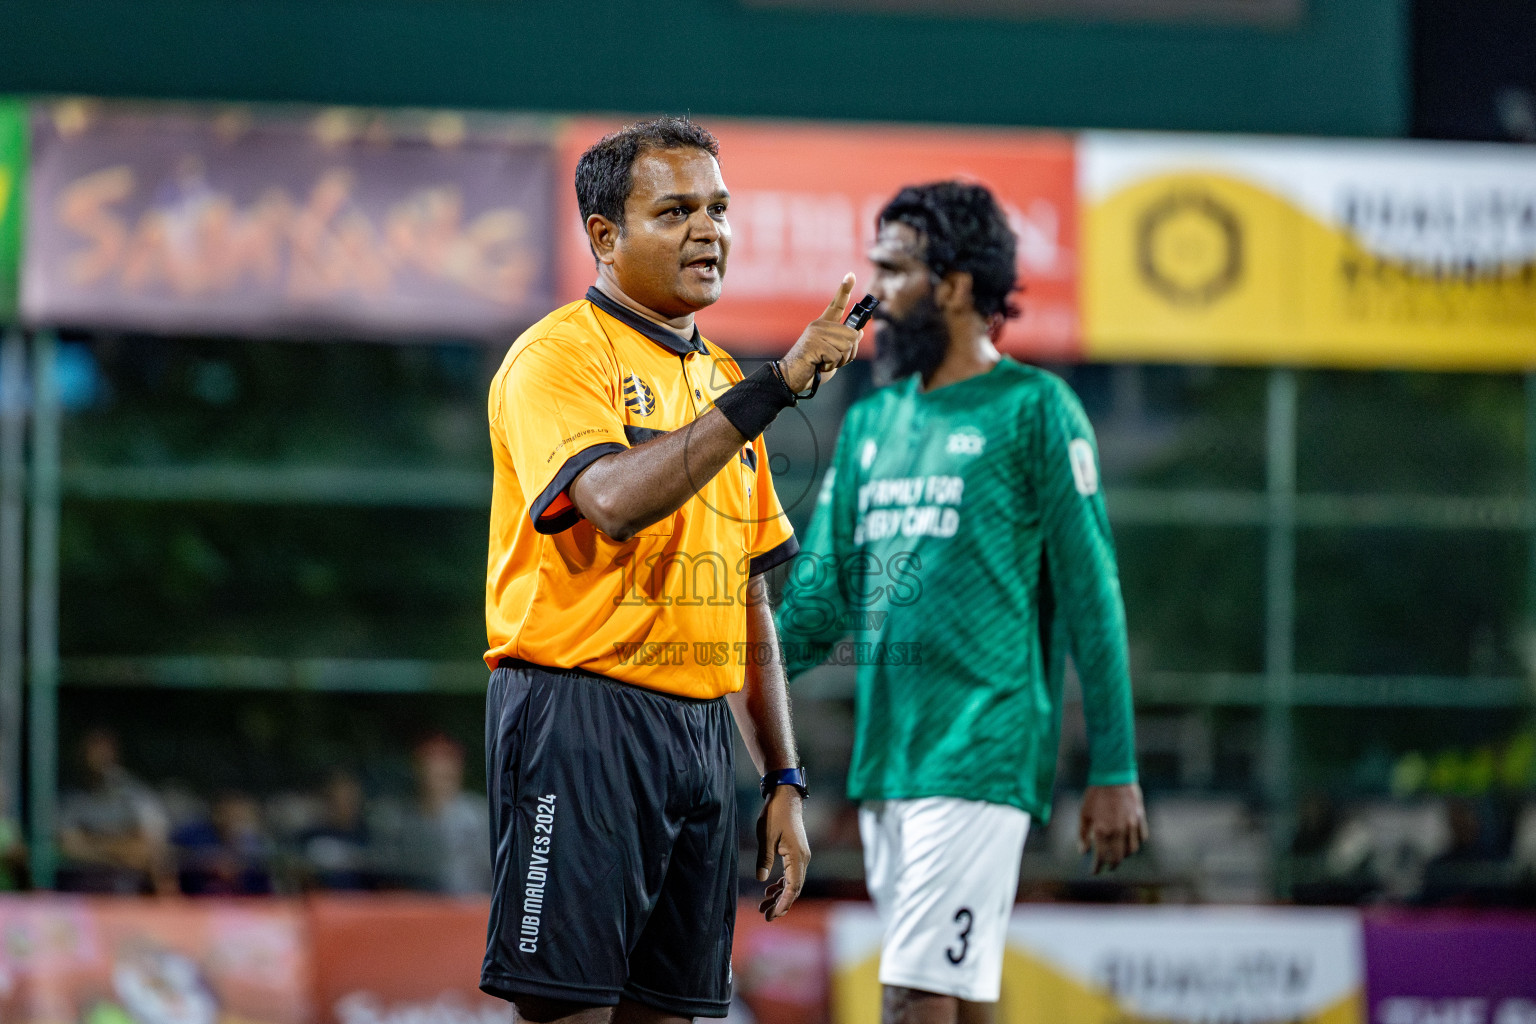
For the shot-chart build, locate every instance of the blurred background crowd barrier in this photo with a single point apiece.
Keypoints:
(244, 473)
(241, 552)
(244, 476)
(406, 959)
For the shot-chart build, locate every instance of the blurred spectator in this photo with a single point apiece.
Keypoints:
(442, 839)
(13, 856)
(336, 852)
(182, 804)
(1389, 842)
(1314, 878)
(1317, 822)
(1472, 869)
(228, 853)
(1523, 844)
(113, 833)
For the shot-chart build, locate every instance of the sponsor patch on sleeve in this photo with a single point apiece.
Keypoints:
(1085, 472)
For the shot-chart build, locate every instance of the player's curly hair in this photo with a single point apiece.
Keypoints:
(605, 172)
(963, 229)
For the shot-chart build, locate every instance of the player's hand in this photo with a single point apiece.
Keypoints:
(824, 345)
(1113, 824)
(781, 833)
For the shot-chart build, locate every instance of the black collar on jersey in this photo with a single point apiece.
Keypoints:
(657, 333)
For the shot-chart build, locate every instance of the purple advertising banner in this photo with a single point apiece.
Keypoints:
(1451, 968)
(339, 223)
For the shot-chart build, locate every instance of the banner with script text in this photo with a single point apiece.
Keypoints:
(268, 222)
(804, 198)
(105, 960)
(13, 177)
(415, 959)
(400, 959)
(1308, 251)
(1174, 965)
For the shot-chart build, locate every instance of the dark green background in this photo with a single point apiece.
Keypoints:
(1342, 70)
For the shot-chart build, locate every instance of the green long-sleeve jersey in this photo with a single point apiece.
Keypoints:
(960, 541)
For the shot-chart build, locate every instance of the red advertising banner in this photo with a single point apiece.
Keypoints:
(400, 960)
(416, 960)
(803, 205)
(783, 968)
(166, 218)
(130, 961)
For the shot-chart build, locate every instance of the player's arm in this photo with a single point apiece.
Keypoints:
(761, 709)
(814, 612)
(624, 492)
(1080, 555)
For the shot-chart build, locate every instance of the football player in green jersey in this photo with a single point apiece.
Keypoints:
(961, 540)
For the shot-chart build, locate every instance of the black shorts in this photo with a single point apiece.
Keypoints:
(613, 824)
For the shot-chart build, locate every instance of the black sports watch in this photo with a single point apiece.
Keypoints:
(785, 777)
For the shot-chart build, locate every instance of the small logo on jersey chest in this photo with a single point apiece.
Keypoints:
(867, 454)
(966, 441)
(638, 396)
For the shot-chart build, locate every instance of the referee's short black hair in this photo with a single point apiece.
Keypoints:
(605, 172)
(963, 228)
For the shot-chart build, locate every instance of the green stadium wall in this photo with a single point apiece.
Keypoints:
(1341, 70)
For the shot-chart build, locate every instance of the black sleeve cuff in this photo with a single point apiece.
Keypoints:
(774, 556)
(569, 517)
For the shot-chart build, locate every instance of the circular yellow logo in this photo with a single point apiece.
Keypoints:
(1189, 248)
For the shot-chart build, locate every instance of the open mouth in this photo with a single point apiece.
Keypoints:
(707, 265)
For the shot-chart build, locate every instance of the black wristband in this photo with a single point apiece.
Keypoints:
(753, 403)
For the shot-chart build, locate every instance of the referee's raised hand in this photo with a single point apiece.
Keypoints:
(825, 344)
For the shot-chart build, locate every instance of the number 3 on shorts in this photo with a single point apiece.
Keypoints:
(964, 918)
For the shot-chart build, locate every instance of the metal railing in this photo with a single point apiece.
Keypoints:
(1278, 509)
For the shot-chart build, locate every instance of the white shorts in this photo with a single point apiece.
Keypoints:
(943, 873)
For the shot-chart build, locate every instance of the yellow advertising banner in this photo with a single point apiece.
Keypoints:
(1143, 965)
(1308, 251)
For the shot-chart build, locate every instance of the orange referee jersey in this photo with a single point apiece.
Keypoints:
(666, 609)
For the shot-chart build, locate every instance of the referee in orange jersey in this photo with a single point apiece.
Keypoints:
(632, 520)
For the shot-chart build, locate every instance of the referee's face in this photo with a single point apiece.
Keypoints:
(671, 255)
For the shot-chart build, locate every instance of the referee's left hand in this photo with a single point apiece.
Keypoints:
(781, 834)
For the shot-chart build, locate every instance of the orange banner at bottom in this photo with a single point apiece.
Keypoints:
(128, 961)
(365, 959)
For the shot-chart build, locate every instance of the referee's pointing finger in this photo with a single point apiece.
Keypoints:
(839, 303)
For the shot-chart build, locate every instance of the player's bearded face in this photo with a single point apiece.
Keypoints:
(914, 342)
